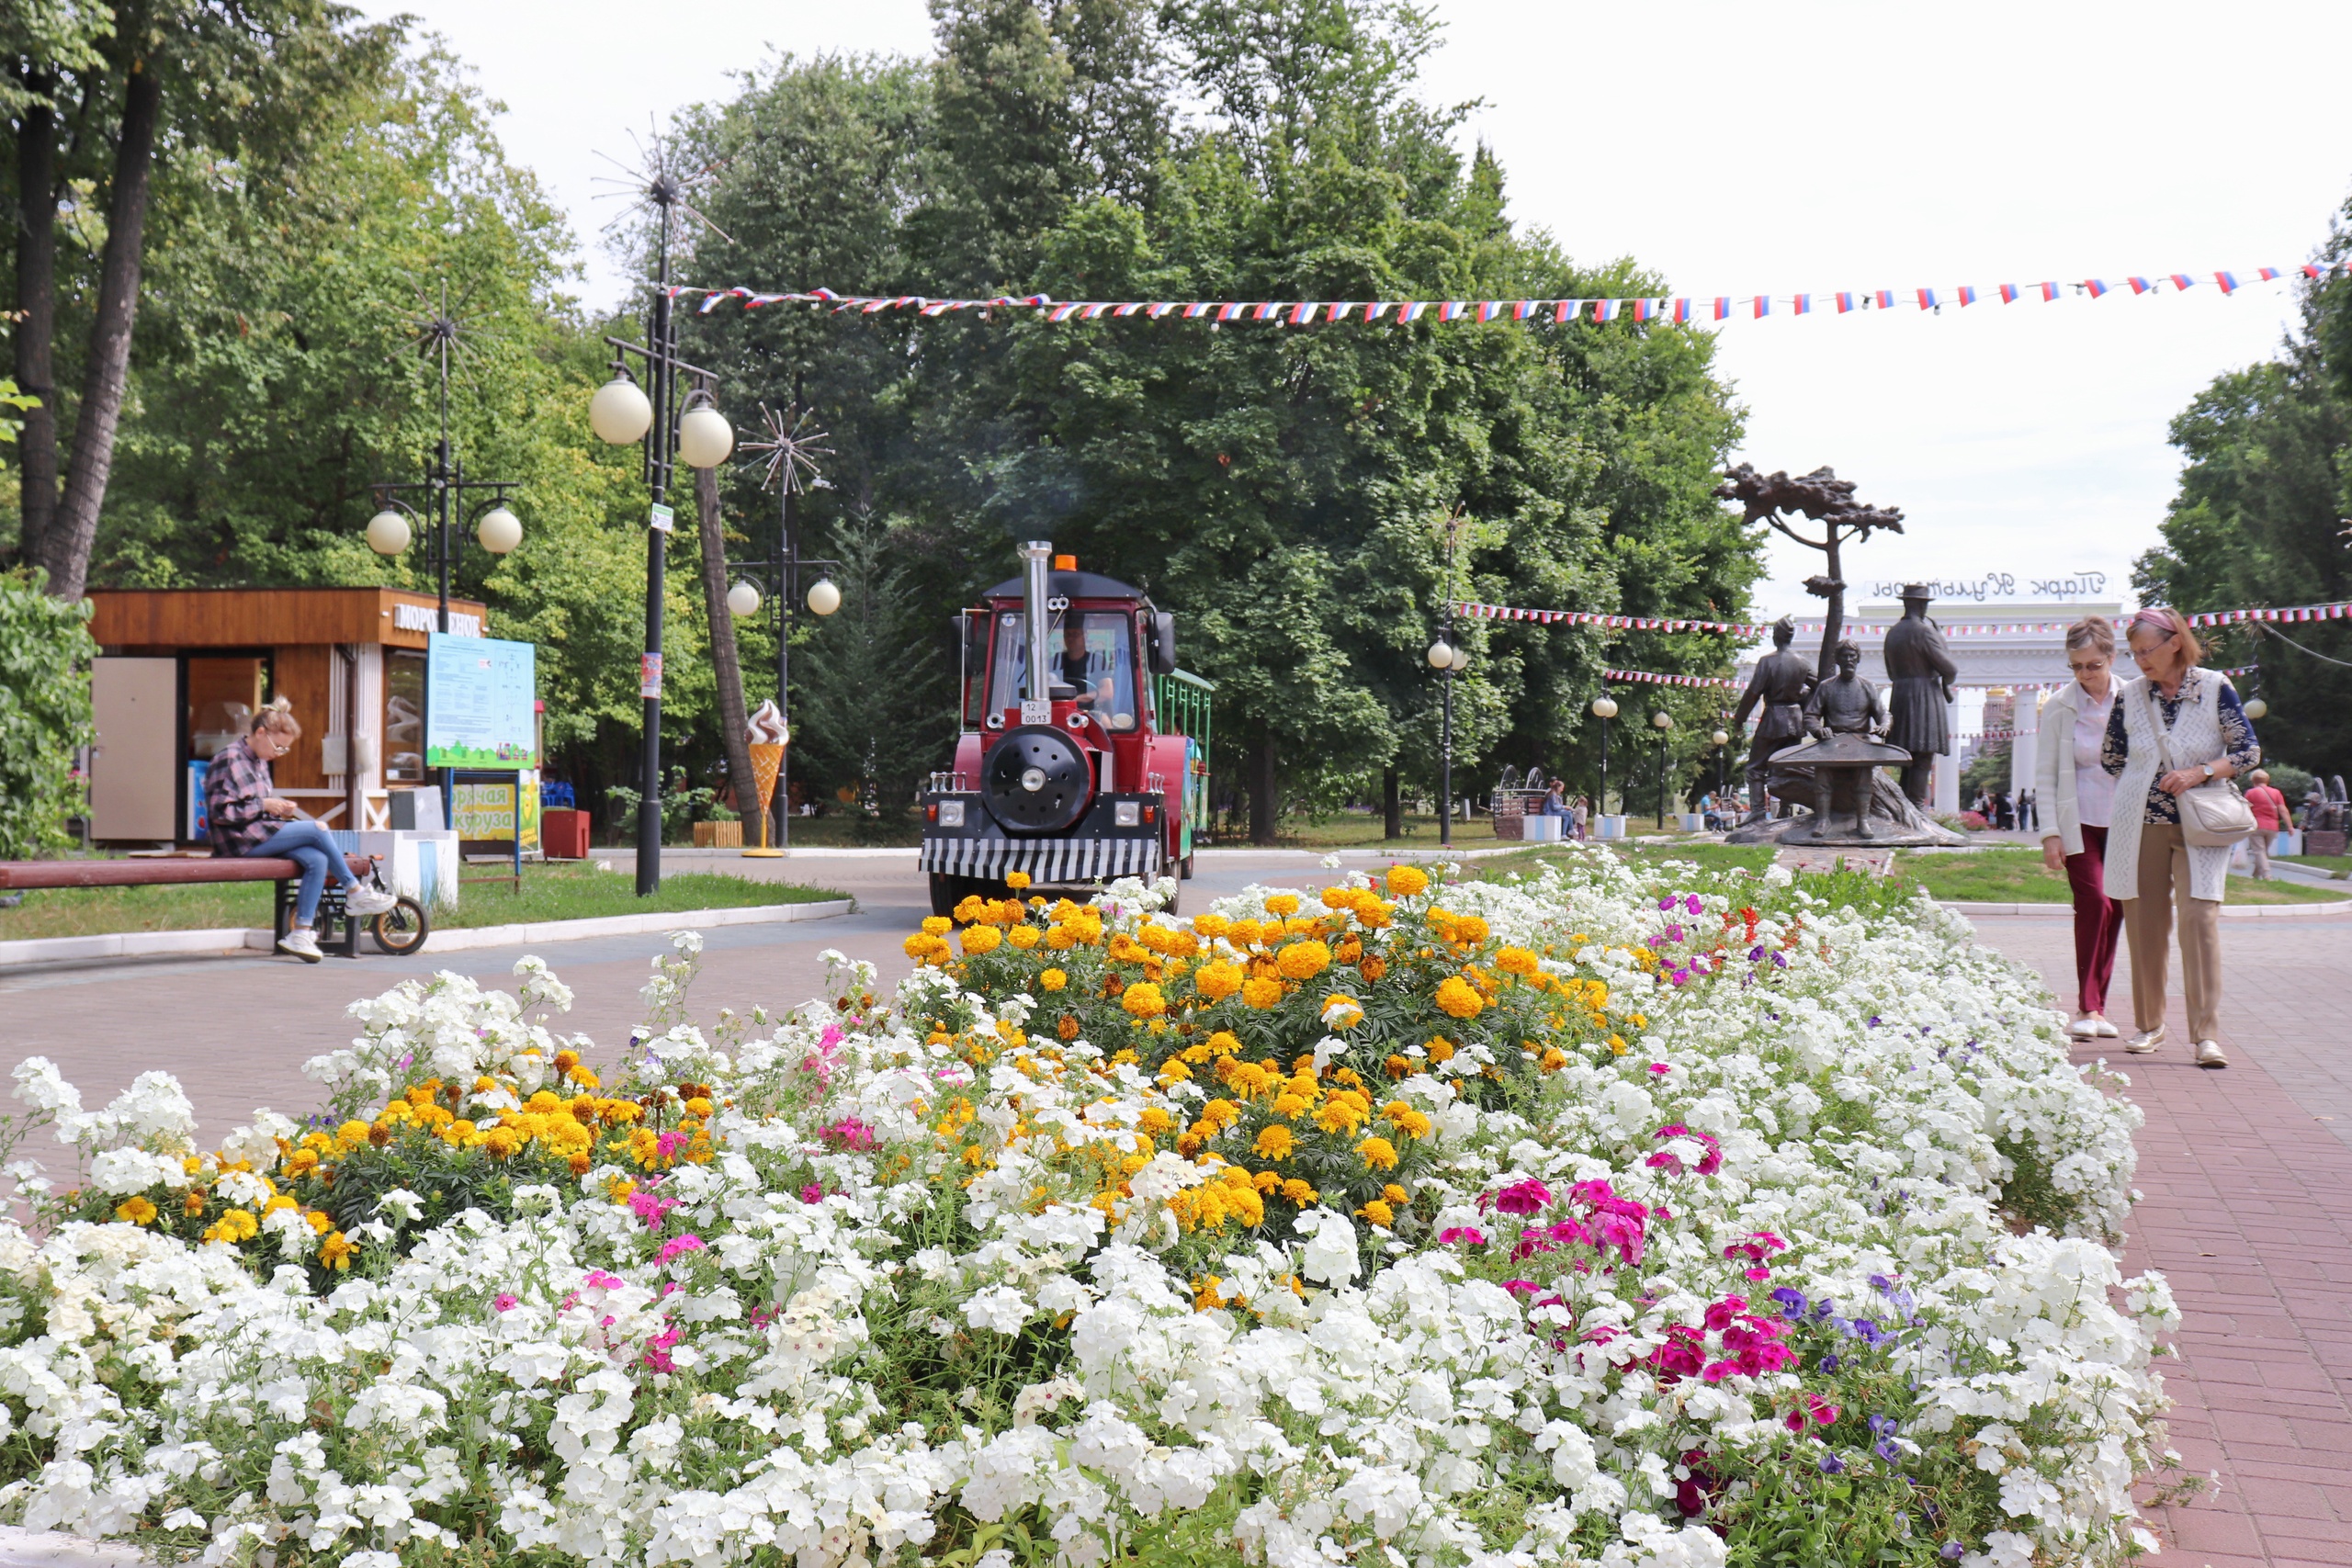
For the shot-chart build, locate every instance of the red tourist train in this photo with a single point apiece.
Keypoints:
(1084, 756)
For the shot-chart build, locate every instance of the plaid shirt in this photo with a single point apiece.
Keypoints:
(235, 785)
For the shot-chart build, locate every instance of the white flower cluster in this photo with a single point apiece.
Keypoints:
(1767, 1252)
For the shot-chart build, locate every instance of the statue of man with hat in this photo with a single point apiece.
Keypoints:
(1920, 671)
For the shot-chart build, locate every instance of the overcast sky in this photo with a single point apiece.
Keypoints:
(1740, 149)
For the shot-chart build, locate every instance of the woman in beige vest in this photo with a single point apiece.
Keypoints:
(2194, 716)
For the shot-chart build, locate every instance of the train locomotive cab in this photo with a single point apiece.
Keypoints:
(1084, 752)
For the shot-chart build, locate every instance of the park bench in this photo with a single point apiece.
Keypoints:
(177, 871)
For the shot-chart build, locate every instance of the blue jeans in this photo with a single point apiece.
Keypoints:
(310, 846)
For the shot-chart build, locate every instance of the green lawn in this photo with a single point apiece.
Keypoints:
(2018, 877)
(2336, 865)
(565, 891)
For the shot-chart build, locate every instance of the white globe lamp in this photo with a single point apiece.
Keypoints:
(744, 600)
(1720, 738)
(1605, 707)
(387, 533)
(704, 438)
(1461, 659)
(1441, 654)
(2257, 709)
(1663, 720)
(619, 413)
(500, 531)
(824, 597)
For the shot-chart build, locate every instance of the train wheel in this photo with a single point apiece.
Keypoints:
(1186, 863)
(947, 892)
(402, 930)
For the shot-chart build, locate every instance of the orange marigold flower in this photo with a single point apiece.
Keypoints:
(1457, 999)
(1275, 1142)
(1283, 903)
(1263, 992)
(977, 940)
(1516, 961)
(1394, 1194)
(1217, 981)
(1024, 937)
(1378, 1211)
(1067, 1028)
(1440, 1049)
(1017, 880)
(1553, 1059)
(1407, 881)
(1142, 999)
(1300, 1192)
(1378, 1152)
(1303, 960)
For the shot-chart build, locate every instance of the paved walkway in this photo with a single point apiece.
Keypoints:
(2246, 1177)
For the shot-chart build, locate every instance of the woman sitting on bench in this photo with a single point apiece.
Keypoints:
(247, 819)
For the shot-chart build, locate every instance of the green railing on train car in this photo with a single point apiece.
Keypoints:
(1180, 702)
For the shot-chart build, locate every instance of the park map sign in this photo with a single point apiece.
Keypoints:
(480, 703)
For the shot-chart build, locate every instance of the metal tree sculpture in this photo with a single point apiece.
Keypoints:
(1824, 498)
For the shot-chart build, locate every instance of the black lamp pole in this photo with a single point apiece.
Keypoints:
(1662, 731)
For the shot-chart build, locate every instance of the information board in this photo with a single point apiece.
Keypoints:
(480, 703)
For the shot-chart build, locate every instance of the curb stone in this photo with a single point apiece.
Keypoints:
(2229, 911)
(228, 943)
(21, 1548)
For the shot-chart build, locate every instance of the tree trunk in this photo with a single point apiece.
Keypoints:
(1834, 618)
(36, 370)
(66, 550)
(1392, 806)
(1265, 800)
(726, 668)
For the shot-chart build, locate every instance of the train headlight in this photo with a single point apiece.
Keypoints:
(1128, 813)
(951, 814)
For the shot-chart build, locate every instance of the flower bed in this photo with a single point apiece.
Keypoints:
(1622, 1217)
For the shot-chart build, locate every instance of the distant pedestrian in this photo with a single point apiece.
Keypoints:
(2194, 716)
(2067, 771)
(2028, 806)
(2005, 814)
(2270, 809)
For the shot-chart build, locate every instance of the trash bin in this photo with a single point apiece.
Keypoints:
(564, 834)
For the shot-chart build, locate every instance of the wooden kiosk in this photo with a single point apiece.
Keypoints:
(181, 670)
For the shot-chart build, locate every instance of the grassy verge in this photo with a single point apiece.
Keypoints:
(560, 892)
(2334, 865)
(2018, 877)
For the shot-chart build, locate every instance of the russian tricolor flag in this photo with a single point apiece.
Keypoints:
(1489, 309)
(1642, 309)
(2227, 282)
(1522, 310)
(2268, 274)
(2095, 286)
(1763, 306)
(1885, 297)
(1450, 311)
(1266, 311)
(2182, 283)
(1375, 309)
(1339, 307)
(1723, 307)
(2009, 294)
(1681, 309)
(1230, 311)
(1605, 310)
(1063, 312)
(2049, 292)
(1410, 310)
(1967, 293)
(1565, 311)
(1926, 298)
(1844, 303)
(2139, 285)
(2310, 272)
(1801, 305)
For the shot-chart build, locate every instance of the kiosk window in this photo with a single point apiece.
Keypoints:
(403, 716)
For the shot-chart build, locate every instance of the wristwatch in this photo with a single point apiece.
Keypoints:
(2209, 769)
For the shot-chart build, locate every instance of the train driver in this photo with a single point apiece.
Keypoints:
(1076, 663)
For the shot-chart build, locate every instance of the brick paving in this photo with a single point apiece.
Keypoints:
(2246, 1207)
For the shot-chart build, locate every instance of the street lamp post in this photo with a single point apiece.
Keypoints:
(788, 455)
(1448, 661)
(688, 429)
(1605, 708)
(1720, 740)
(1665, 723)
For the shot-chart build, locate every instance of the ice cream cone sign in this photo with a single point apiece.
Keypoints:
(766, 735)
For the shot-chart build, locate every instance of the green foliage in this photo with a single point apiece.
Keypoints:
(45, 653)
(2258, 520)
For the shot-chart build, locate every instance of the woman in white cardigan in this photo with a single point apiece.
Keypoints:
(2192, 717)
(2077, 793)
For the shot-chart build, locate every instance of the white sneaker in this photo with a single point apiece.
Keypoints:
(2084, 1029)
(303, 943)
(364, 900)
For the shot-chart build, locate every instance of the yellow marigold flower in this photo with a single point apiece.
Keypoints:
(1616, 1044)
(1017, 880)
(1553, 1059)
(302, 1162)
(1245, 1205)
(937, 925)
(1275, 1142)
(1408, 881)
(1300, 1192)
(1283, 904)
(585, 1077)
(1516, 961)
(1457, 999)
(1173, 1070)
(1303, 960)
(1218, 1114)
(1261, 992)
(335, 1251)
(1405, 1119)
(618, 1188)
(501, 1141)
(1024, 937)
(1378, 1152)
(1440, 1049)
(1378, 1211)
(1291, 1106)
(981, 939)
(1340, 1113)
(135, 1211)
(1052, 980)
(193, 1204)
(1394, 1194)
(1342, 1012)
(236, 1226)
(1217, 981)
(1059, 940)
(1142, 999)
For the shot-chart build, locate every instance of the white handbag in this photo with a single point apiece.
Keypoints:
(2213, 815)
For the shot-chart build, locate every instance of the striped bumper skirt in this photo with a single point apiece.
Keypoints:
(1054, 863)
